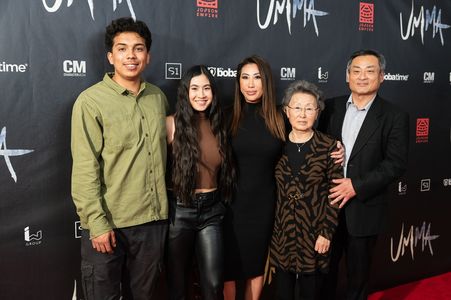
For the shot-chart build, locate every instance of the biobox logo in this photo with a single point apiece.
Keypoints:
(287, 73)
(173, 71)
(422, 130)
(13, 68)
(221, 72)
(207, 8)
(74, 68)
(366, 17)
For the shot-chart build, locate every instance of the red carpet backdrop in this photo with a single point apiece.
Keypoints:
(50, 50)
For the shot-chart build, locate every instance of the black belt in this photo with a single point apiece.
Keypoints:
(201, 200)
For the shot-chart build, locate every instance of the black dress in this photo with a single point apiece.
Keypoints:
(250, 218)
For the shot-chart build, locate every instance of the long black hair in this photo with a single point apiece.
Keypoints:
(185, 147)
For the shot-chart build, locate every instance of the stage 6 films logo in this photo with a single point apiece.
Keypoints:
(422, 130)
(173, 71)
(6, 153)
(366, 17)
(74, 68)
(426, 20)
(447, 182)
(207, 8)
(32, 239)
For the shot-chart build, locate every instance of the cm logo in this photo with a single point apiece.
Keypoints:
(74, 66)
(287, 73)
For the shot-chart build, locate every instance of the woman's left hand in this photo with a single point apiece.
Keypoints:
(339, 154)
(322, 245)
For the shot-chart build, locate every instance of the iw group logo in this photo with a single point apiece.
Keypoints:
(207, 8)
(422, 130)
(366, 17)
(32, 239)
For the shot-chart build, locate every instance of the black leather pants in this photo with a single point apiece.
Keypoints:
(196, 229)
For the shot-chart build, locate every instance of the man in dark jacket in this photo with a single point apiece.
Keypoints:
(375, 135)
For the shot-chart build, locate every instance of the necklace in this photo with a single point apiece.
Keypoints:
(300, 145)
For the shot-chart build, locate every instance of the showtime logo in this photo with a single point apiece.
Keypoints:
(13, 68)
(428, 77)
(207, 8)
(221, 72)
(287, 73)
(422, 130)
(396, 77)
(74, 68)
(366, 17)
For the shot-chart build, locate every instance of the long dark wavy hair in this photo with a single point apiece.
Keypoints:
(185, 147)
(273, 118)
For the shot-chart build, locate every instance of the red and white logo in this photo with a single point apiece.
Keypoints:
(207, 8)
(366, 17)
(422, 130)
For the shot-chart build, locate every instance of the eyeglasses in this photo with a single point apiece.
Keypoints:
(308, 110)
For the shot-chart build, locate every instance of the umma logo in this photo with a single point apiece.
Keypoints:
(287, 73)
(396, 77)
(428, 77)
(13, 68)
(32, 239)
(173, 71)
(74, 68)
(221, 72)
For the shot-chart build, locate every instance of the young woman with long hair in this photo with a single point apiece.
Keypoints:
(200, 178)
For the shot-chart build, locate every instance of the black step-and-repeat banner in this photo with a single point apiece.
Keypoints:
(50, 50)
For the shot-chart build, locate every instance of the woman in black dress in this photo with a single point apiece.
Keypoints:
(258, 134)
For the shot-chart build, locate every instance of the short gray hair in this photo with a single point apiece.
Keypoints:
(379, 56)
(303, 86)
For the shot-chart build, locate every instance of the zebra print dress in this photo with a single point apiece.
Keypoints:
(303, 211)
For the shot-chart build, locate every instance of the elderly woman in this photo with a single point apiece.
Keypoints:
(304, 219)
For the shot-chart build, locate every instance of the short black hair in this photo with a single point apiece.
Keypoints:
(127, 24)
(362, 52)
